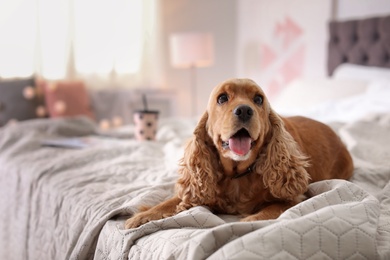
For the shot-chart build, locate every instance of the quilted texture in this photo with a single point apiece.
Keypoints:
(73, 203)
(67, 98)
(363, 42)
(19, 100)
(338, 224)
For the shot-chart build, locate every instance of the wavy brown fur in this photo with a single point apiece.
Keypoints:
(286, 155)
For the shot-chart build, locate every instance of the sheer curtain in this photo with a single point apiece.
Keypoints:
(18, 26)
(105, 42)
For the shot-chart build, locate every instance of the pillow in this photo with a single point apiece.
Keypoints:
(360, 72)
(112, 107)
(19, 100)
(67, 98)
(306, 93)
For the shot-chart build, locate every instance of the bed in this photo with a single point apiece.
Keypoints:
(62, 203)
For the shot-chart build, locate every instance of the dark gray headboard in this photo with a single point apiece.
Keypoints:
(363, 42)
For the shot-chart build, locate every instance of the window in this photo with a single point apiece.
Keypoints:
(54, 37)
(18, 37)
(108, 35)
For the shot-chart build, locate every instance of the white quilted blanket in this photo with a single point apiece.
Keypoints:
(58, 203)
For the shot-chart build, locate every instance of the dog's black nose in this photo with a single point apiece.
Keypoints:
(243, 112)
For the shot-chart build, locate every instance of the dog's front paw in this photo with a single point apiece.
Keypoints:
(263, 215)
(144, 217)
(134, 222)
(272, 211)
(139, 219)
(253, 217)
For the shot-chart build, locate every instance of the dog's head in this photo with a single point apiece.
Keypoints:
(238, 118)
(240, 131)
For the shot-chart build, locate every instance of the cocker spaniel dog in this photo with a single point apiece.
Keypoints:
(246, 159)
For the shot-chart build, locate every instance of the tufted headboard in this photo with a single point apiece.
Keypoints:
(363, 42)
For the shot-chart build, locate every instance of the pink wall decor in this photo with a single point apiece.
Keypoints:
(283, 60)
(287, 30)
(268, 56)
(280, 41)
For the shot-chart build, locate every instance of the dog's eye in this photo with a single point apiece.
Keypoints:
(258, 100)
(222, 98)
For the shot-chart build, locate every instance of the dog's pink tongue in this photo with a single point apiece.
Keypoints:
(240, 145)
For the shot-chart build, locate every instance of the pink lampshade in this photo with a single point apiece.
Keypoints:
(192, 49)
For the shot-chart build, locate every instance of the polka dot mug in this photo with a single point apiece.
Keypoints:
(145, 124)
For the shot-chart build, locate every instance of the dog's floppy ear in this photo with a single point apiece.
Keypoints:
(282, 163)
(199, 169)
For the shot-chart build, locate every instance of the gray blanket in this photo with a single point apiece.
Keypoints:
(60, 203)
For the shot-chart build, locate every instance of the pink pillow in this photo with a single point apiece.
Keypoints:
(67, 98)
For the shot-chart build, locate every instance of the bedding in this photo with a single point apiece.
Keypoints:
(74, 205)
(330, 103)
(349, 71)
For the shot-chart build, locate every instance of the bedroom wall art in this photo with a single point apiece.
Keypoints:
(280, 41)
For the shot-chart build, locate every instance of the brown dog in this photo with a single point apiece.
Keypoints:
(246, 159)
